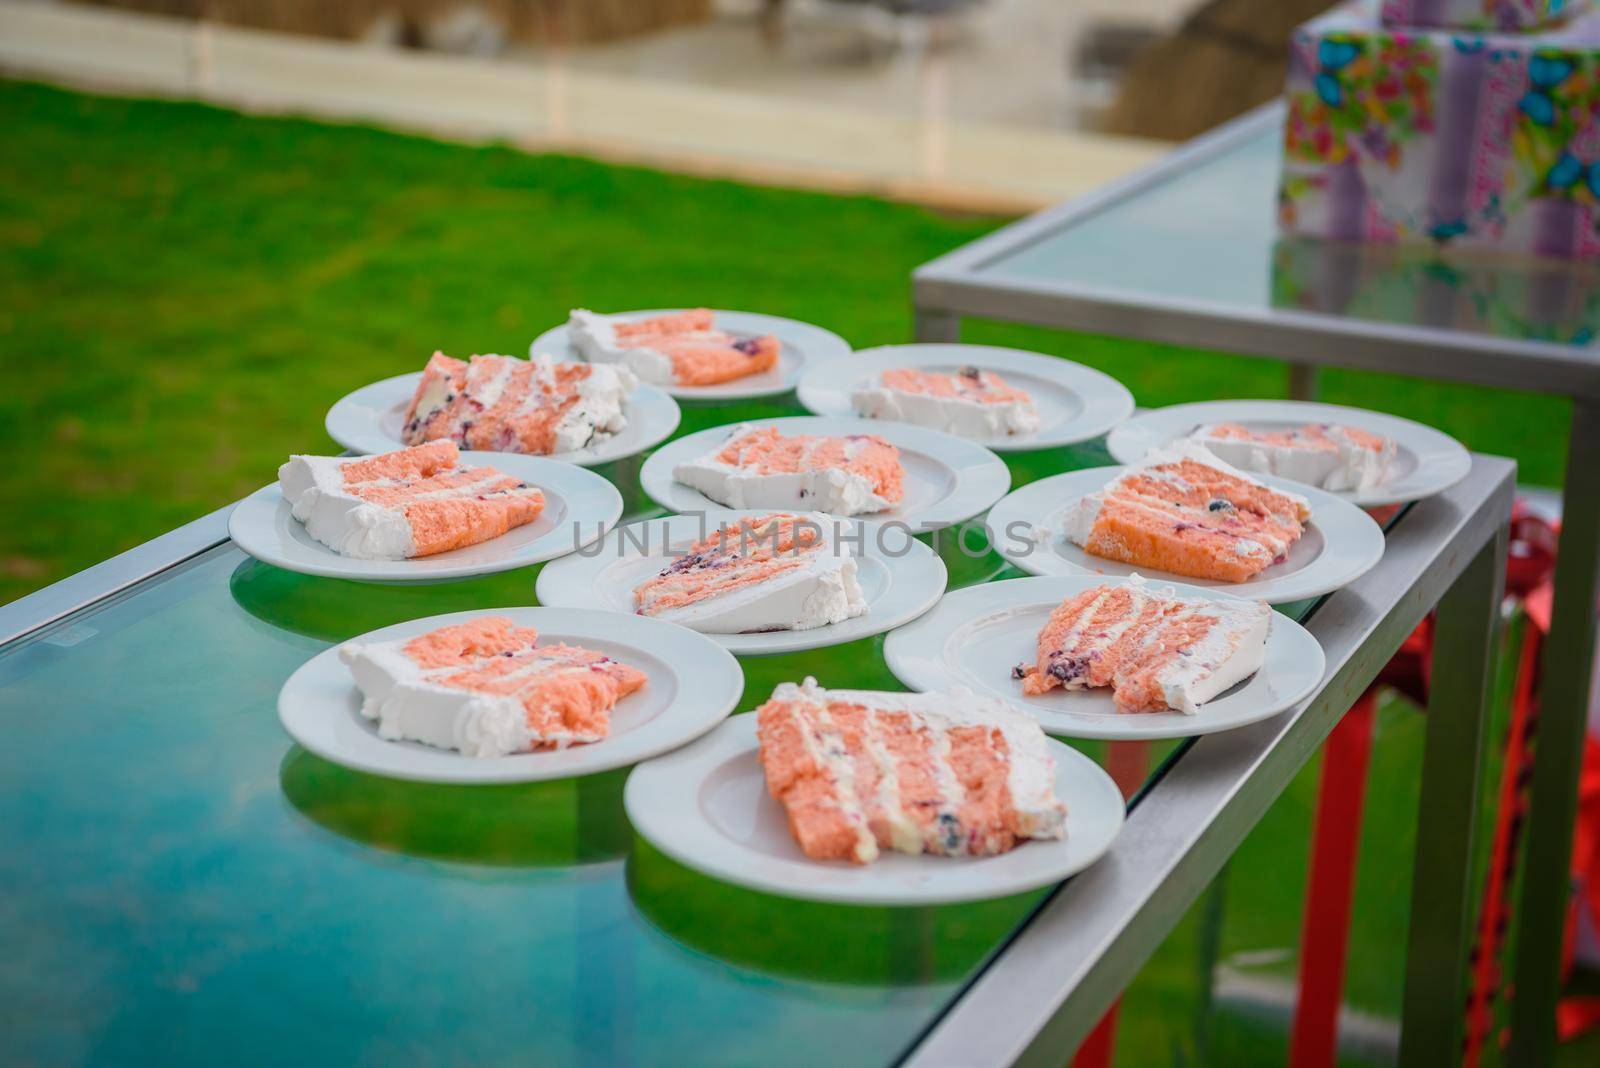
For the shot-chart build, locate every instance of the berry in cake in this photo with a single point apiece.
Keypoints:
(1157, 651)
(414, 502)
(859, 772)
(764, 468)
(1186, 512)
(502, 404)
(1325, 455)
(683, 348)
(760, 573)
(971, 402)
(487, 688)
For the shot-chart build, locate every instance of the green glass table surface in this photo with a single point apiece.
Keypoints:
(180, 883)
(1208, 233)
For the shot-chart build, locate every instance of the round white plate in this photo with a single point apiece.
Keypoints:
(1426, 461)
(802, 344)
(579, 508)
(707, 807)
(369, 420)
(975, 636)
(1075, 403)
(1340, 543)
(948, 479)
(899, 575)
(692, 684)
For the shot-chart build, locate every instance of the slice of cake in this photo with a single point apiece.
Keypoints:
(502, 404)
(414, 502)
(763, 468)
(859, 771)
(971, 403)
(1186, 512)
(486, 689)
(766, 573)
(1157, 651)
(684, 348)
(1324, 455)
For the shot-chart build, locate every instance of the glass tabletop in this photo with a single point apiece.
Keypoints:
(180, 883)
(1208, 233)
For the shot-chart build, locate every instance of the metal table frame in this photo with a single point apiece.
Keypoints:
(957, 285)
(1059, 972)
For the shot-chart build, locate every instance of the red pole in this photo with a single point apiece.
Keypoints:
(1330, 886)
(1127, 763)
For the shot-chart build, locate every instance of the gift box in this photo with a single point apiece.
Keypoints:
(1472, 141)
(1503, 15)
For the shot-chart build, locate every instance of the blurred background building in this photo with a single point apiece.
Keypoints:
(994, 104)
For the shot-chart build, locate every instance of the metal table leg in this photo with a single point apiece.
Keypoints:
(1434, 1010)
(1303, 381)
(1558, 750)
(931, 324)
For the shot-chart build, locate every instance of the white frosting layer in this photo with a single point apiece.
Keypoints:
(1232, 652)
(1031, 778)
(1347, 467)
(830, 489)
(953, 415)
(350, 526)
(596, 339)
(823, 591)
(597, 413)
(399, 695)
(407, 706)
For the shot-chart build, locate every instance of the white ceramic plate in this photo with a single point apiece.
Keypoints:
(1340, 543)
(707, 807)
(1426, 461)
(692, 686)
(975, 636)
(899, 575)
(948, 479)
(369, 420)
(580, 507)
(1075, 403)
(802, 344)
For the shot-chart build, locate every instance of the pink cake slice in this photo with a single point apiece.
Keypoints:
(757, 574)
(858, 772)
(1186, 512)
(413, 502)
(503, 404)
(1326, 455)
(486, 688)
(1157, 651)
(684, 348)
(760, 467)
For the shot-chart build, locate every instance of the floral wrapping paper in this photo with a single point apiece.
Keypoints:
(1502, 15)
(1485, 141)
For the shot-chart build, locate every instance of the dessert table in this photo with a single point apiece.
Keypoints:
(1186, 252)
(183, 884)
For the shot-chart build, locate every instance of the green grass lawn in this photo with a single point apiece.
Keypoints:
(184, 291)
